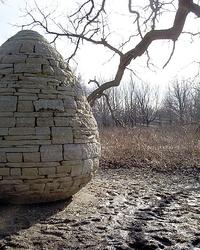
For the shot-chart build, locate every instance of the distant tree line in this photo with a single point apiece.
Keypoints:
(140, 105)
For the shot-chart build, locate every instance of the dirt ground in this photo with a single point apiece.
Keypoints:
(134, 208)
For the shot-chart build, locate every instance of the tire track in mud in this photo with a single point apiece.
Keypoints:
(160, 225)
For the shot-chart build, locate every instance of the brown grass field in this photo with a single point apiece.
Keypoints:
(163, 148)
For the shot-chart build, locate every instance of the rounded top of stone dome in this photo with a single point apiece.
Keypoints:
(30, 53)
(29, 42)
(27, 34)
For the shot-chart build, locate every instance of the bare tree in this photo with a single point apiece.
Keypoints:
(178, 101)
(129, 105)
(195, 104)
(147, 103)
(88, 24)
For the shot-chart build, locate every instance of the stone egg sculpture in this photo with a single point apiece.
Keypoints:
(49, 144)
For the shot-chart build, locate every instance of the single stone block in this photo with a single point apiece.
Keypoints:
(20, 149)
(14, 157)
(3, 131)
(44, 104)
(62, 121)
(14, 59)
(69, 113)
(7, 90)
(27, 68)
(73, 152)
(27, 137)
(47, 171)
(27, 91)
(42, 131)
(6, 71)
(31, 157)
(25, 114)
(32, 164)
(27, 47)
(7, 122)
(65, 169)
(25, 122)
(45, 122)
(51, 153)
(45, 114)
(29, 172)
(8, 103)
(22, 131)
(6, 114)
(6, 143)
(33, 97)
(15, 171)
(37, 60)
(47, 96)
(69, 102)
(25, 106)
(62, 135)
(4, 172)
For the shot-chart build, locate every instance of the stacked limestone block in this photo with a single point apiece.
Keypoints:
(49, 145)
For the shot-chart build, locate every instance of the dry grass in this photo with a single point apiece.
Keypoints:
(151, 147)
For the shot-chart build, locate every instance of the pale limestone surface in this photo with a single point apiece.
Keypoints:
(49, 144)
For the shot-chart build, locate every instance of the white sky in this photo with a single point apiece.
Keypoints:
(91, 59)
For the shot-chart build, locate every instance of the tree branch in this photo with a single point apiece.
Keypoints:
(170, 57)
(85, 31)
(116, 121)
(185, 6)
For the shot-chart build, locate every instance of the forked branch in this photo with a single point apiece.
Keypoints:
(184, 8)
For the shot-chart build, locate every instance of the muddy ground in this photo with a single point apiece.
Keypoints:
(120, 209)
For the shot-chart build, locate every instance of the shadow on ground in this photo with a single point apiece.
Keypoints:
(14, 218)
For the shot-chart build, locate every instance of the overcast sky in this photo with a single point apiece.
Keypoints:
(92, 59)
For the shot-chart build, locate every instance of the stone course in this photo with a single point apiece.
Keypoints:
(49, 144)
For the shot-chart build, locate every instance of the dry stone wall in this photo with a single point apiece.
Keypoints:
(49, 145)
